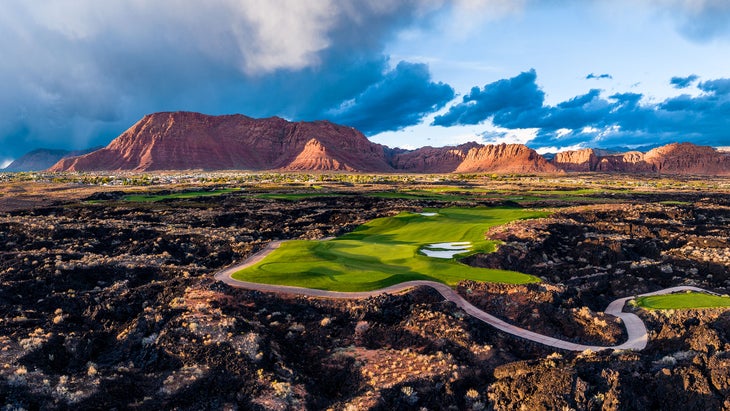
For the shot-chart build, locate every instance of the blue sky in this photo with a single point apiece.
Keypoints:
(553, 74)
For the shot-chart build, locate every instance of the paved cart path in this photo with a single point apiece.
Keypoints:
(635, 328)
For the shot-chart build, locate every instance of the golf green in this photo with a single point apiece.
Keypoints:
(387, 251)
(683, 301)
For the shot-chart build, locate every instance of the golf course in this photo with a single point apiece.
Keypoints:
(689, 300)
(392, 250)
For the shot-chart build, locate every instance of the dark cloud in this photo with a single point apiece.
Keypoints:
(76, 74)
(401, 98)
(719, 87)
(683, 82)
(598, 76)
(503, 99)
(593, 120)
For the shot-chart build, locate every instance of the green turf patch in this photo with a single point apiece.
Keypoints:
(150, 198)
(683, 301)
(386, 251)
(674, 202)
(296, 196)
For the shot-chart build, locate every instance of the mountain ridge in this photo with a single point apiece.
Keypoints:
(42, 158)
(188, 141)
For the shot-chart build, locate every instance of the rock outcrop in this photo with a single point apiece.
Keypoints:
(675, 158)
(577, 160)
(190, 141)
(505, 158)
(687, 158)
(472, 158)
(184, 141)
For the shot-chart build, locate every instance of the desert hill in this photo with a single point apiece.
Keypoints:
(675, 158)
(184, 141)
(42, 159)
(188, 141)
(471, 158)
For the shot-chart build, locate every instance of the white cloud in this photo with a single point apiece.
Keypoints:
(554, 149)
(499, 135)
(265, 35)
(469, 15)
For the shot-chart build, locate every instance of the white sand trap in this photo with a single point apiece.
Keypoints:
(446, 250)
(460, 245)
(429, 214)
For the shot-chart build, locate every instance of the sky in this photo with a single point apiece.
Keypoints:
(552, 74)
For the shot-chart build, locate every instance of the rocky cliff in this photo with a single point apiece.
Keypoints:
(183, 141)
(675, 158)
(186, 141)
(577, 160)
(473, 158)
(505, 158)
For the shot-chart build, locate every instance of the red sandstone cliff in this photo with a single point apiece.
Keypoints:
(472, 158)
(578, 160)
(687, 158)
(184, 141)
(675, 158)
(505, 158)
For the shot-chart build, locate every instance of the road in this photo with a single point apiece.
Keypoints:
(635, 328)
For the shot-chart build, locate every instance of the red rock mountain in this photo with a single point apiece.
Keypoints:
(472, 158)
(675, 158)
(185, 141)
(577, 160)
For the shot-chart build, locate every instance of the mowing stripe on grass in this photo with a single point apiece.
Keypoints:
(384, 252)
(690, 300)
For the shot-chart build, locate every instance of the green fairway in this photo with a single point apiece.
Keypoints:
(388, 251)
(296, 196)
(683, 301)
(147, 198)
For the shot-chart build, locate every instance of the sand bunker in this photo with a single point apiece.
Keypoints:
(429, 214)
(446, 250)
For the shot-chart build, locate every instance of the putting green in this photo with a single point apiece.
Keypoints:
(682, 301)
(385, 251)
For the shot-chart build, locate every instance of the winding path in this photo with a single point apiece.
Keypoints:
(635, 328)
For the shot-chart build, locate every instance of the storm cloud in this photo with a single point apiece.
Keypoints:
(595, 120)
(402, 98)
(77, 73)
